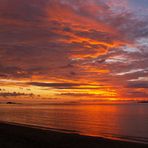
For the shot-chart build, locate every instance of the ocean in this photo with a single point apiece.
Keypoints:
(127, 122)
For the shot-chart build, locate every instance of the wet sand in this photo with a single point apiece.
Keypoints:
(20, 136)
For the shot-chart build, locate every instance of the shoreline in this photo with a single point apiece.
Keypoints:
(21, 136)
(66, 131)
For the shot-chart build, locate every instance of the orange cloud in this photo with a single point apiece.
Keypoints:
(60, 41)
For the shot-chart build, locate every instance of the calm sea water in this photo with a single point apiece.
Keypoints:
(121, 121)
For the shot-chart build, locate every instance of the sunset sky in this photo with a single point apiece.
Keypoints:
(69, 50)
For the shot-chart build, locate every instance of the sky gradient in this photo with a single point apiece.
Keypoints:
(69, 50)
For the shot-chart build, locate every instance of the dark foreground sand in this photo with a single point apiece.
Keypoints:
(17, 136)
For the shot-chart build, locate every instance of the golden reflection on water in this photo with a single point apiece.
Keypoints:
(101, 120)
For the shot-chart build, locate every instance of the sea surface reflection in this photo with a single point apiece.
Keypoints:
(123, 121)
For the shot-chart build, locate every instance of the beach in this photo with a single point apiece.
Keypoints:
(21, 136)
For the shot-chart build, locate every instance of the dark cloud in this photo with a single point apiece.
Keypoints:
(23, 10)
(18, 72)
(72, 86)
(138, 84)
(13, 94)
(56, 85)
(137, 94)
(101, 97)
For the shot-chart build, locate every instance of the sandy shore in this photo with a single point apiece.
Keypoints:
(20, 136)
